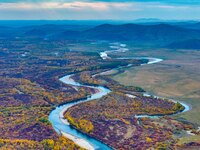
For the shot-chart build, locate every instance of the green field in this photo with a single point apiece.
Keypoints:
(178, 77)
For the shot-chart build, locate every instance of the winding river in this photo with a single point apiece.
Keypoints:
(62, 126)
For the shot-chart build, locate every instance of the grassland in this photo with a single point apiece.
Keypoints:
(178, 76)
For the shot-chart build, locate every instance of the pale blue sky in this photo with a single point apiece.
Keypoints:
(99, 9)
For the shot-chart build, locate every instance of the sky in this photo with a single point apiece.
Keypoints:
(99, 9)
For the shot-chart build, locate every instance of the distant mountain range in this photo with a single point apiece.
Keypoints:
(159, 35)
(178, 35)
(156, 34)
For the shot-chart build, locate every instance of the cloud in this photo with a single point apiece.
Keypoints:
(98, 6)
(168, 7)
(67, 10)
(180, 2)
(98, 9)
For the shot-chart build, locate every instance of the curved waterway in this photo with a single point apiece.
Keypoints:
(62, 126)
(186, 107)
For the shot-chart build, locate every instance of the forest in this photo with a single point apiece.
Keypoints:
(30, 89)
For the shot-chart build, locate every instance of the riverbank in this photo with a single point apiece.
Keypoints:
(81, 142)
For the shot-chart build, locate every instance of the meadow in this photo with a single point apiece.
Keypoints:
(176, 77)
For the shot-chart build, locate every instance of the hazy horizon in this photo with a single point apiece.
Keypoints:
(99, 9)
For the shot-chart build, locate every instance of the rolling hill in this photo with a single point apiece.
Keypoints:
(187, 44)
